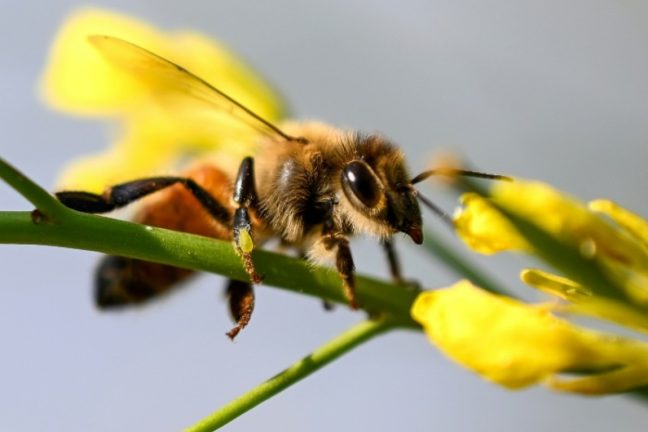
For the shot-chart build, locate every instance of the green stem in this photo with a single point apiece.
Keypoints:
(115, 237)
(299, 370)
(42, 200)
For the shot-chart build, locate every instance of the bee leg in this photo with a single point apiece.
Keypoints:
(125, 193)
(392, 259)
(328, 305)
(245, 196)
(241, 303)
(394, 265)
(343, 263)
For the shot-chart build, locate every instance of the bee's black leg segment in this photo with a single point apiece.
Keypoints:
(392, 259)
(394, 266)
(125, 193)
(85, 202)
(328, 305)
(333, 239)
(241, 303)
(346, 269)
(244, 189)
(245, 196)
(343, 264)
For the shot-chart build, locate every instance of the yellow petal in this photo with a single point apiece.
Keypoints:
(570, 221)
(78, 79)
(151, 144)
(617, 381)
(619, 252)
(127, 159)
(583, 302)
(631, 222)
(516, 345)
(555, 285)
(484, 229)
(159, 125)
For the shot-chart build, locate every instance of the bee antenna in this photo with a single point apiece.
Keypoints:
(459, 172)
(445, 217)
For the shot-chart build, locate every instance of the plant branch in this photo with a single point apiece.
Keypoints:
(325, 354)
(42, 200)
(115, 237)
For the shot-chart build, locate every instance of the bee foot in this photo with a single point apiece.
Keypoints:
(232, 333)
(241, 303)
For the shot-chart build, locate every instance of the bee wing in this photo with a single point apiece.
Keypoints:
(162, 76)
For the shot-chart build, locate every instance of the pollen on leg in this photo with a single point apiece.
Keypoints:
(244, 241)
(244, 245)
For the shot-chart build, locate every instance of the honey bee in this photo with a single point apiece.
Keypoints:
(311, 186)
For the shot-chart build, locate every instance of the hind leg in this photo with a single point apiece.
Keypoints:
(241, 303)
(125, 193)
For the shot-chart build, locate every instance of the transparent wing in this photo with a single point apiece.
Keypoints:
(163, 77)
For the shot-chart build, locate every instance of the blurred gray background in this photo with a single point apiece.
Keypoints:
(554, 90)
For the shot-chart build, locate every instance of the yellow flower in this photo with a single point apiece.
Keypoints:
(620, 249)
(517, 345)
(556, 213)
(484, 229)
(151, 135)
(581, 301)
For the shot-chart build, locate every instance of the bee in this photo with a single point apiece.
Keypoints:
(311, 186)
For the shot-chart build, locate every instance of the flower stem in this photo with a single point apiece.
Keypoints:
(42, 200)
(301, 369)
(115, 237)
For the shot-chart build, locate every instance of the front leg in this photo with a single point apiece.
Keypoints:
(346, 269)
(394, 266)
(392, 259)
(333, 240)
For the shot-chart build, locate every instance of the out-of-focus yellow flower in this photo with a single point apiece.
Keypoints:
(581, 301)
(517, 345)
(484, 229)
(153, 133)
(632, 223)
(556, 213)
(619, 249)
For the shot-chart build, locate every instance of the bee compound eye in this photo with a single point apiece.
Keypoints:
(358, 179)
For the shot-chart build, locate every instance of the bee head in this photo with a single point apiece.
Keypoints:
(377, 187)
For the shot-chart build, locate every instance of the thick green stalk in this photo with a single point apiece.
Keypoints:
(115, 237)
(299, 370)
